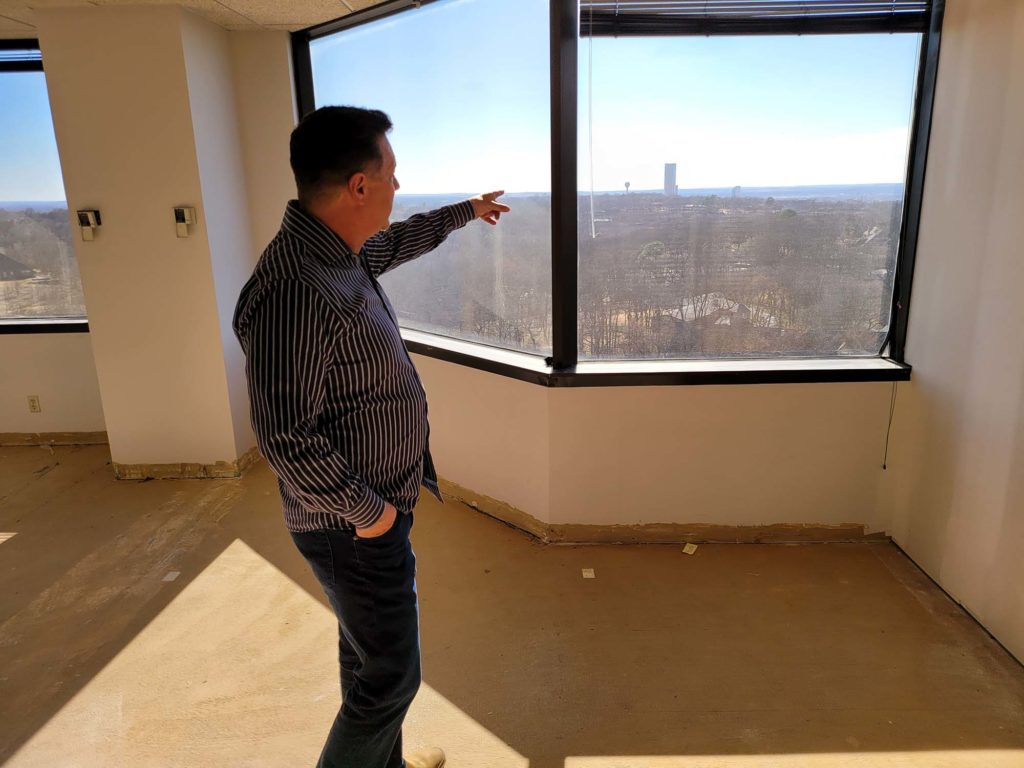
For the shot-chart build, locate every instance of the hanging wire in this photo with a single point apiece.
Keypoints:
(590, 119)
(892, 409)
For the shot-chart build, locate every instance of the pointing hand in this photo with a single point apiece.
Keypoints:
(486, 207)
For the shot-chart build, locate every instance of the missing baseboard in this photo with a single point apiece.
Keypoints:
(11, 439)
(221, 470)
(658, 533)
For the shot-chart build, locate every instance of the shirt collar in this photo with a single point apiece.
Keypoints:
(321, 238)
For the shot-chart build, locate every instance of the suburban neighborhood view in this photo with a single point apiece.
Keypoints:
(800, 271)
(38, 272)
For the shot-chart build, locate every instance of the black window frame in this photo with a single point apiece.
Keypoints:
(563, 368)
(32, 325)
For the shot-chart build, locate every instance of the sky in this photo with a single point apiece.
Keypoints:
(466, 83)
(29, 165)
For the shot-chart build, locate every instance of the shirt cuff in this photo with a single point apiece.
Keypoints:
(367, 511)
(461, 213)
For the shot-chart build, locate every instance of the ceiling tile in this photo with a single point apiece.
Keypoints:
(16, 15)
(15, 20)
(302, 14)
(211, 10)
(11, 30)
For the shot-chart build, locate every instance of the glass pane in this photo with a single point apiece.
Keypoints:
(466, 84)
(38, 272)
(741, 196)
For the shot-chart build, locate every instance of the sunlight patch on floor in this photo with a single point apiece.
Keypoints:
(981, 758)
(238, 670)
(434, 721)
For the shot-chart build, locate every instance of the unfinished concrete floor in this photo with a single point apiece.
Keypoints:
(741, 656)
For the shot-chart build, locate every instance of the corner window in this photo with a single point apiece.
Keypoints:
(719, 190)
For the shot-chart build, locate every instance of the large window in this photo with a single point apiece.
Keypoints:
(39, 277)
(465, 83)
(741, 196)
(716, 182)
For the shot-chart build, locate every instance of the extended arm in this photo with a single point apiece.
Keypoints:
(423, 232)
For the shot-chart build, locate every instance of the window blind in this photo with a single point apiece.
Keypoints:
(705, 17)
(18, 56)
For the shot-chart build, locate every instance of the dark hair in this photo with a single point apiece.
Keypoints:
(331, 144)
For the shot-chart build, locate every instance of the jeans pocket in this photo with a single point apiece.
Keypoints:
(398, 529)
(389, 547)
(318, 550)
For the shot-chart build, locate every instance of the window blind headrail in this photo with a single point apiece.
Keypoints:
(20, 56)
(703, 17)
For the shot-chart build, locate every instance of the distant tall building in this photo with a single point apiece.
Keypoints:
(670, 179)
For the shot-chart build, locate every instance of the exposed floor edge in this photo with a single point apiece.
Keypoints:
(8, 439)
(248, 458)
(658, 533)
(967, 611)
(221, 470)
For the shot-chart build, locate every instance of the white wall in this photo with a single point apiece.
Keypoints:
(57, 367)
(956, 491)
(265, 101)
(490, 434)
(121, 104)
(215, 124)
(725, 455)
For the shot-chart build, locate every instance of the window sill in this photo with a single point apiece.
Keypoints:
(64, 325)
(532, 369)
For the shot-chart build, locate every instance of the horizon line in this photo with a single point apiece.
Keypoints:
(656, 190)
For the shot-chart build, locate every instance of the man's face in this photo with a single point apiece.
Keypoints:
(381, 186)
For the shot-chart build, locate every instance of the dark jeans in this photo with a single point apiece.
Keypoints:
(371, 584)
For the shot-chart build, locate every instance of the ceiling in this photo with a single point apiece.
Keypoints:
(16, 16)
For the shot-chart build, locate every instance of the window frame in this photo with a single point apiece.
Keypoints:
(563, 368)
(33, 325)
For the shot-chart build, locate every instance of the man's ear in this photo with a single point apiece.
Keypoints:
(357, 186)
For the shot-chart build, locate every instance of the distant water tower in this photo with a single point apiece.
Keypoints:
(670, 179)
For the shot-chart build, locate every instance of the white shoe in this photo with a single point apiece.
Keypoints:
(431, 757)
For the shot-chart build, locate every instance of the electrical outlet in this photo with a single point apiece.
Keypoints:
(33, 404)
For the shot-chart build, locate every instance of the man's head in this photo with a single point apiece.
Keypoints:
(344, 166)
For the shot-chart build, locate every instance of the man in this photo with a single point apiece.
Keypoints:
(341, 416)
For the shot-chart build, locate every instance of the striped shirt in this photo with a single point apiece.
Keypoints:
(337, 406)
